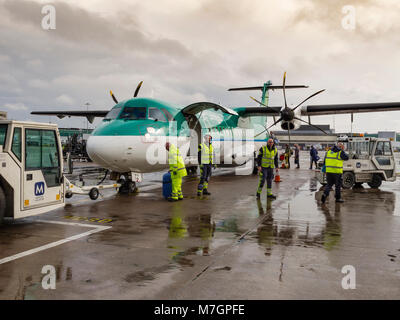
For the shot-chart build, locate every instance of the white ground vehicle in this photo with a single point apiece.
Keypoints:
(371, 160)
(31, 170)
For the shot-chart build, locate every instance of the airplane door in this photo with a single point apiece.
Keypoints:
(42, 179)
(383, 158)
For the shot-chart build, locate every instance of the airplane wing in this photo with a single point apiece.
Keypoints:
(201, 106)
(258, 111)
(326, 109)
(269, 87)
(90, 115)
(323, 109)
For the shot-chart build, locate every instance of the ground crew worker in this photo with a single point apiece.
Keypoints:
(267, 160)
(205, 158)
(297, 155)
(313, 157)
(333, 163)
(288, 153)
(178, 171)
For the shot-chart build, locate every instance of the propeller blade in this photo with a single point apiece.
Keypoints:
(137, 89)
(314, 94)
(283, 87)
(113, 97)
(259, 102)
(310, 124)
(280, 119)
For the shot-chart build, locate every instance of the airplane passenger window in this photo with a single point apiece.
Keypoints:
(133, 113)
(155, 114)
(112, 114)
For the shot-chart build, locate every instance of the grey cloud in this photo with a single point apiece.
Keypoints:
(82, 28)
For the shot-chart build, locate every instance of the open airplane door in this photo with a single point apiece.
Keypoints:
(197, 107)
(190, 114)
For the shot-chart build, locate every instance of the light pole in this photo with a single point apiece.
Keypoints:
(87, 104)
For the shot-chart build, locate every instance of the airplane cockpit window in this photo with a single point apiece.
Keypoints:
(113, 114)
(156, 114)
(133, 113)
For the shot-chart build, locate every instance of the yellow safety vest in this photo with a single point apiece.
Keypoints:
(175, 161)
(268, 157)
(333, 163)
(206, 153)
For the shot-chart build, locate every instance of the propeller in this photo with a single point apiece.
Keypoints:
(279, 120)
(310, 124)
(113, 97)
(259, 102)
(287, 114)
(134, 95)
(314, 94)
(137, 89)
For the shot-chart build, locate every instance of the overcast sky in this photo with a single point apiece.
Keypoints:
(194, 50)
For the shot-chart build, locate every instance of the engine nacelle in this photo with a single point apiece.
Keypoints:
(292, 125)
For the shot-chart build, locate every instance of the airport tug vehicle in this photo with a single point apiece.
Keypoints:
(371, 161)
(31, 170)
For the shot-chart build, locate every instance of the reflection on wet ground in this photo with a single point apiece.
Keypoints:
(224, 246)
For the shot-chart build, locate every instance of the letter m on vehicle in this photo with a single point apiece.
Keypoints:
(39, 188)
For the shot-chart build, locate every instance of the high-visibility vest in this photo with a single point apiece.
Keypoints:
(333, 163)
(175, 161)
(268, 157)
(206, 153)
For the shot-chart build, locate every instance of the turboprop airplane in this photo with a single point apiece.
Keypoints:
(138, 127)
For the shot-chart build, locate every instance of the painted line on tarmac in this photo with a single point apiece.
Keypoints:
(95, 228)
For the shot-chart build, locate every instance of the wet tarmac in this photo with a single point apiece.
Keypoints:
(224, 246)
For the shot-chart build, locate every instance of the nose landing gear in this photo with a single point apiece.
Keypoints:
(127, 185)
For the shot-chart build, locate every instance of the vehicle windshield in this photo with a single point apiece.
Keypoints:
(134, 113)
(113, 114)
(3, 134)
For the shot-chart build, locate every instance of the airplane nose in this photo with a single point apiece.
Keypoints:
(97, 151)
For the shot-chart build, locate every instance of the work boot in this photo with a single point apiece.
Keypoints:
(271, 196)
(180, 198)
(340, 200)
(172, 199)
(199, 193)
(205, 191)
(257, 195)
(323, 198)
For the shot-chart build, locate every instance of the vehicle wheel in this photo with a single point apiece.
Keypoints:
(2, 205)
(94, 193)
(348, 180)
(68, 194)
(376, 181)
